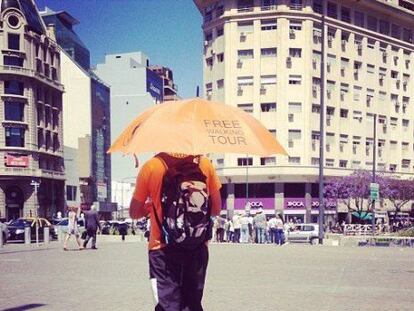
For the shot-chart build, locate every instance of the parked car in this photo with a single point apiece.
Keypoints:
(4, 231)
(16, 228)
(63, 225)
(307, 233)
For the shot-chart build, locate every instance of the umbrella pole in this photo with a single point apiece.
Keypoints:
(247, 180)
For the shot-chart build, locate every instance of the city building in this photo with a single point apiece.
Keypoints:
(264, 56)
(170, 88)
(134, 88)
(86, 120)
(67, 37)
(32, 170)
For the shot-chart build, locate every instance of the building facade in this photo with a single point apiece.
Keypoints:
(86, 116)
(169, 87)
(264, 56)
(134, 88)
(32, 170)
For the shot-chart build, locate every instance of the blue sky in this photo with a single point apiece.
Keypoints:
(167, 31)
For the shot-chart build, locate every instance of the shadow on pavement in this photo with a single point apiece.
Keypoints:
(25, 251)
(25, 307)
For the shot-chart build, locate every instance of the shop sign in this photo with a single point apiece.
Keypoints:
(101, 188)
(16, 160)
(300, 203)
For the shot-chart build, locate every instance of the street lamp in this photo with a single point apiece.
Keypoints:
(36, 185)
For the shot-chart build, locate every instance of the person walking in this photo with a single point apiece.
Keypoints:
(73, 229)
(272, 229)
(260, 225)
(91, 225)
(237, 227)
(244, 221)
(279, 230)
(177, 270)
(230, 231)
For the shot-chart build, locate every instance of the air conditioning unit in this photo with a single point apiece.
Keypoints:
(291, 117)
(288, 59)
(328, 66)
(342, 70)
(242, 35)
(262, 89)
(314, 61)
(405, 83)
(292, 31)
(360, 119)
(328, 147)
(397, 104)
(368, 99)
(398, 81)
(314, 88)
(407, 62)
(341, 145)
(381, 78)
(290, 142)
(239, 89)
(328, 92)
(356, 72)
(239, 63)
(404, 105)
(343, 42)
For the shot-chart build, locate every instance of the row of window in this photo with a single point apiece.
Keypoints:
(271, 161)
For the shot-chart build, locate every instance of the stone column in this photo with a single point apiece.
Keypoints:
(308, 202)
(279, 198)
(230, 200)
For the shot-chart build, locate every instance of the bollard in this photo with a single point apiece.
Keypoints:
(27, 235)
(46, 235)
(1, 238)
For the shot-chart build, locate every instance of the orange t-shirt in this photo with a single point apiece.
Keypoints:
(148, 185)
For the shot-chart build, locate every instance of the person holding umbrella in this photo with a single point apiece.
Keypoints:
(180, 183)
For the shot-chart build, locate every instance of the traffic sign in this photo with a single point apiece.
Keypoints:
(374, 191)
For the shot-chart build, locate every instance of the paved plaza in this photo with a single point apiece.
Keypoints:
(240, 277)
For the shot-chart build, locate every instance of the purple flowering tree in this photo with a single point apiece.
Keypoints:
(354, 190)
(399, 192)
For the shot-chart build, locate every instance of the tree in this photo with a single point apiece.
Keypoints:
(399, 192)
(354, 190)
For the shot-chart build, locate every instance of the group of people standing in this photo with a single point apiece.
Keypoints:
(250, 228)
(91, 225)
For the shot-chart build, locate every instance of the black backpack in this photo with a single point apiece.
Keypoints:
(186, 221)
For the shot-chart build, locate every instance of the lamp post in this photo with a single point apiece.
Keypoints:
(322, 130)
(36, 186)
(374, 160)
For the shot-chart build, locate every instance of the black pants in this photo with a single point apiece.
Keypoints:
(178, 278)
(91, 233)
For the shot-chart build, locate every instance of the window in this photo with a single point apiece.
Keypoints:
(359, 19)
(316, 108)
(295, 134)
(314, 161)
(268, 107)
(13, 41)
(13, 61)
(357, 93)
(296, 5)
(332, 10)
(294, 160)
(317, 6)
(295, 79)
(268, 52)
(268, 5)
(346, 14)
(247, 80)
(209, 89)
(407, 35)
(370, 71)
(245, 27)
(209, 61)
(343, 163)
(357, 115)
(268, 79)
(393, 121)
(246, 107)
(405, 123)
(330, 162)
(245, 5)
(384, 27)
(71, 193)
(295, 52)
(220, 57)
(14, 87)
(208, 36)
(220, 83)
(245, 54)
(343, 113)
(371, 44)
(268, 24)
(14, 111)
(14, 136)
(268, 161)
(396, 31)
(220, 31)
(295, 107)
(372, 23)
(244, 161)
(295, 25)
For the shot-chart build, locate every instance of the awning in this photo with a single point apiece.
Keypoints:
(363, 215)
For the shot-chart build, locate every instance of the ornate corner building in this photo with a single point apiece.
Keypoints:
(31, 150)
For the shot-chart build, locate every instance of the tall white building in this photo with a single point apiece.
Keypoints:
(264, 57)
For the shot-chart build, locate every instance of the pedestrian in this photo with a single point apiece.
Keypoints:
(230, 232)
(279, 230)
(244, 230)
(73, 229)
(272, 229)
(260, 225)
(91, 224)
(123, 230)
(237, 227)
(177, 262)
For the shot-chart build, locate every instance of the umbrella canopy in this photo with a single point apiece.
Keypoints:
(196, 126)
(363, 215)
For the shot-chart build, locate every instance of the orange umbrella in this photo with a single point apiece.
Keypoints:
(196, 126)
